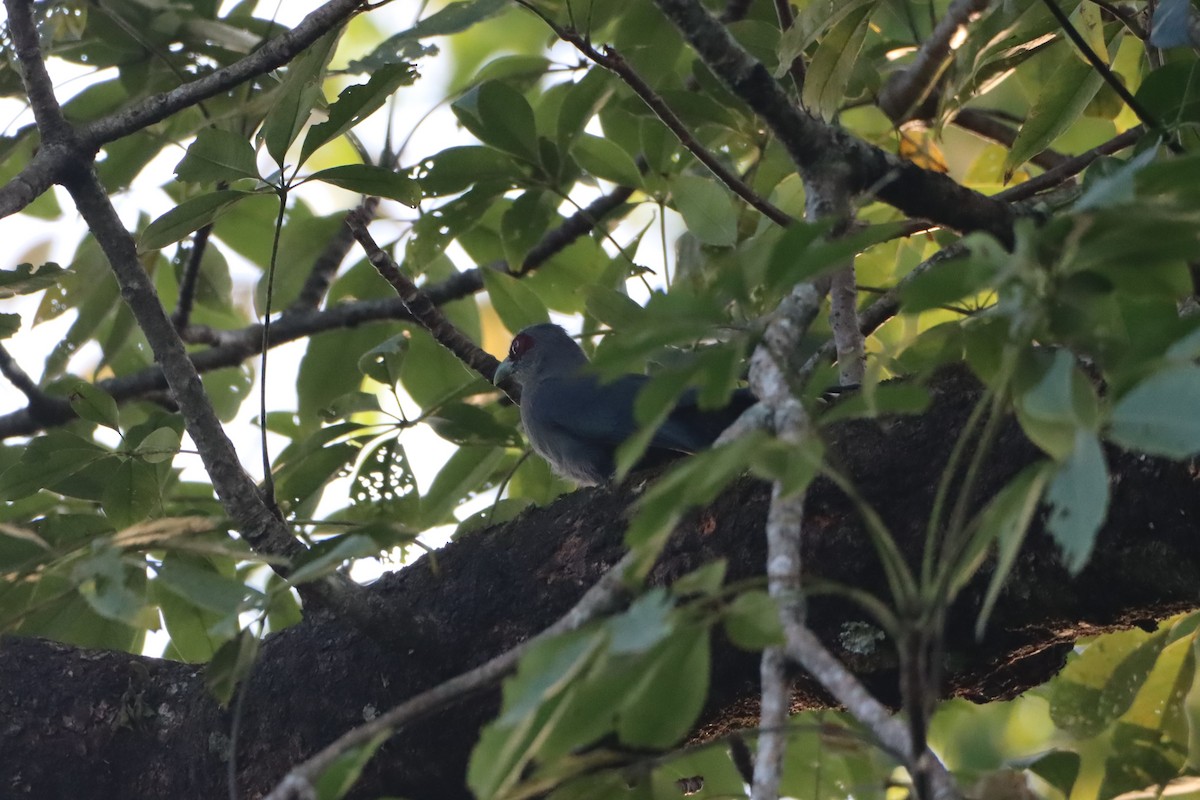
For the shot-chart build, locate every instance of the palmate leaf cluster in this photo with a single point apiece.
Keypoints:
(1082, 328)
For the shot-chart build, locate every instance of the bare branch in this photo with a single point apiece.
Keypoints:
(191, 277)
(11, 370)
(906, 90)
(321, 276)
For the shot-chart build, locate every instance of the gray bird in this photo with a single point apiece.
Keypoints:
(576, 421)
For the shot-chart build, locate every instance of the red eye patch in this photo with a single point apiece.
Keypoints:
(521, 345)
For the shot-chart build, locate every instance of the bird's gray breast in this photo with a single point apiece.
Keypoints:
(556, 419)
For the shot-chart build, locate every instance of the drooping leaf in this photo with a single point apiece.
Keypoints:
(707, 209)
(1060, 103)
(356, 103)
(1078, 499)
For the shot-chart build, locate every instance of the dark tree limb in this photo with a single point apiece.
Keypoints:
(323, 271)
(191, 278)
(63, 734)
(816, 146)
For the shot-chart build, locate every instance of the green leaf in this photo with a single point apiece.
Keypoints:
(643, 626)
(947, 282)
(1060, 103)
(340, 776)
(217, 155)
(613, 308)
(462, 476)
(27, 278)
(94, 404)
(188, 626)
(1060, 403)
(706, 580)
(531, 696)
(1005, 521)
(188, 217)
(831, 66)
(46, 460)
(330, 554)
(131, 492)
(661, 707)
(1078, 500)
(356, 103)
(297, 96)
(453, 18)
(196, 581)
(372, 181)
(515, 303)
(1059, 768)
(113, 590)
(500, 116)
(230, 664)
(1159, 414)
(161, 444)
(9, 324)
(382, 362)
(707, 209)
(752, 621)
(604, 158)
(457, 168)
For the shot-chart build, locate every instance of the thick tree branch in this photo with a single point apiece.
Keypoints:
(487, 592)
(603, 598)
(273, 54)
(814, 145)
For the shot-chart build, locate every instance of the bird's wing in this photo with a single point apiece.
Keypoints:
(586, 409)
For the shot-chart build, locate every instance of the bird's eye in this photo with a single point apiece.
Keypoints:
(521, 345)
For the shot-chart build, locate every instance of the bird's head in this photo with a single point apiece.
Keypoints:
(539, 352)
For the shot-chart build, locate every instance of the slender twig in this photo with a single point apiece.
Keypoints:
(613, 61)
(422, 307)
(1128, 17)
(604, 597)
(320, 277)
(982, 123)
(191, 277)
(1072, 166)
(1098, 64)
(906, 90)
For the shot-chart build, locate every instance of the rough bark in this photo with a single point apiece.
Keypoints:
(81, 723)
